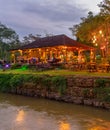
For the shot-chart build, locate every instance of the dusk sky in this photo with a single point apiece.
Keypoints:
(44, 16)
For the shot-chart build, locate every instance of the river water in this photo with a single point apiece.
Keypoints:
(26, 113)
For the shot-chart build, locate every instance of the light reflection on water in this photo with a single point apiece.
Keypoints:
(25, 113)
(20, 116)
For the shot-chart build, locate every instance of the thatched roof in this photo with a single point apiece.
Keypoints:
(58, 40)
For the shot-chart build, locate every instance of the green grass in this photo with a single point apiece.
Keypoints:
(56, 72)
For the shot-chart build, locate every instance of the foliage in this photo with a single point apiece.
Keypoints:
(104, 7)
(94, 29)
(15, 66)
(7, 35)
(59, 83)
(16, 81)
(36, 79)
(102, 91)
(47, 82)
(24, 67)
(30, 38)
(9, 82)
(5, 82)
(8, 40)
(102, 82)
(88, 28)
(102, 94)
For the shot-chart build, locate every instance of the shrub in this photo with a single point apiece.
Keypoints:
(24, 67)
(15, 66)
(102, 94)
(16, 80)
(47, 82)
(34, 79)
(59, 83)
(5, 82)
(101, 82)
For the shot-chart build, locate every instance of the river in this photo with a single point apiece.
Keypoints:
(27, 113)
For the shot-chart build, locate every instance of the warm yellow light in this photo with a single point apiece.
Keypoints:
(20, 116)
(64, 126)
(29, 50)
(96, 44)
(20, 51)
(102, 35)
(100, 31)
(93, 41)
(94, 36)
(39, 49)
(13, 55)
(97, 128)
(65, 47)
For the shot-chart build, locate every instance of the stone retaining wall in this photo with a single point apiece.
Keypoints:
(79, 90)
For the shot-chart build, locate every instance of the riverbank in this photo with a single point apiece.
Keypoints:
(85, 90)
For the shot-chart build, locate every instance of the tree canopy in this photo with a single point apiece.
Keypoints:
(93, 25)
(8, 40)
(32, 37)
(104, 7)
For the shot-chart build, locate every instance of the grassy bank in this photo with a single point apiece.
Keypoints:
(55, 72)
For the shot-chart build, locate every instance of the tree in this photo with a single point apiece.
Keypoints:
(30, 38)
(85, 30)
(105, 12)
(8, 40)
(95, 31)
(104, 7)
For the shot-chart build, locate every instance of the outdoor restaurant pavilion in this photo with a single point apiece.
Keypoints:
(43, 49)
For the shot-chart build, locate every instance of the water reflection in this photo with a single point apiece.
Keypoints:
(64, 126)
(20, 116)
(100, 124)
(98, 128)
(25, 113)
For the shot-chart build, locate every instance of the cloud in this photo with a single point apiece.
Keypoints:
(58, 11)
(37, 17)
